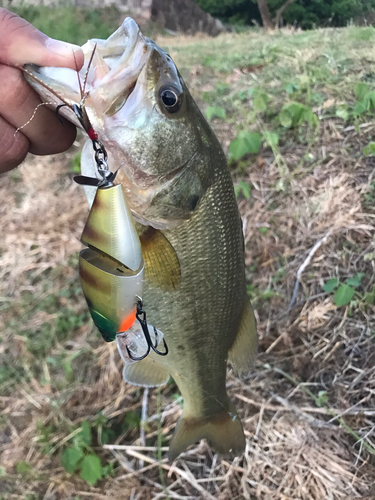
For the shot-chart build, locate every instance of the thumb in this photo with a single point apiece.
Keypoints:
(21, 43)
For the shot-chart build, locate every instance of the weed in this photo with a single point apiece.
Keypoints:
(245, 143)
(296, 114)
(369, 150)
(76, 163)
(242, 188)
(215, 112)
(344, 291)
(160, 444)
(80, 457)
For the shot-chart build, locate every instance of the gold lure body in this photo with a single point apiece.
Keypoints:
(112, 268)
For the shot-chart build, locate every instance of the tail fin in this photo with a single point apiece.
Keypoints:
(223, 432)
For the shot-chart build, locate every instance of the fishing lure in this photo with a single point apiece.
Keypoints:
(111, 268)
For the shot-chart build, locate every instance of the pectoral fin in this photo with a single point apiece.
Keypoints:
(244, 348)
(147, 373)
(162, 267)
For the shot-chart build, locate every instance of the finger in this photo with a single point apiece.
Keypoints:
(21, 43)
(13, 147)
(18, 102)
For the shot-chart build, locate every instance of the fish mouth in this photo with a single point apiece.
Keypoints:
(118, 86)
(103, 85)
(108, 76)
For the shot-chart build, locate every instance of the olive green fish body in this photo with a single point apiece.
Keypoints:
(200, 319)
(178, 187)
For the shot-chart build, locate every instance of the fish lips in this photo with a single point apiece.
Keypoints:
(105, 81)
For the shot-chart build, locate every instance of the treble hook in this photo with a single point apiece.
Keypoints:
(141, 317)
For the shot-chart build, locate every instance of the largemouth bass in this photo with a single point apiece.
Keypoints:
(179, 189)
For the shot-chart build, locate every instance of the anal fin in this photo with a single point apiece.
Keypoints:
(244, 348)
(147, 373)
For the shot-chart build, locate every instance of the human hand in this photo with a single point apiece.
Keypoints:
(21, 43)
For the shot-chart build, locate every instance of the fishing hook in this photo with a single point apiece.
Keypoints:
(141, 317)
(57, 112)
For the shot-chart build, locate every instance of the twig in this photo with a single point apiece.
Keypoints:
(143, 421)
(167, 491)
(306, 262)
(124, 447)
(280, 11)
(187, 475)
(310, 419)
(330, 412)
(305, 409)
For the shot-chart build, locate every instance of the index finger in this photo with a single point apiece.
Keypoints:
(22, 43)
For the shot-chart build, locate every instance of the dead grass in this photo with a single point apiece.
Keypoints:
(308, 407)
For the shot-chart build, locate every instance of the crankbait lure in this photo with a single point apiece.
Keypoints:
(112, 268)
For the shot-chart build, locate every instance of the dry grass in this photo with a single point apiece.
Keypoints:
(308, 407)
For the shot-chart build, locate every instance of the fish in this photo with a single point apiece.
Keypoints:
(178, 186)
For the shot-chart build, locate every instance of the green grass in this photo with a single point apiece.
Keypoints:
(252, 80)
(77, 25)
(43, 340)
(71, 24)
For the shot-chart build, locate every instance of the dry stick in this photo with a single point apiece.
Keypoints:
(306, 262)
(188, 476)
(330, 412)
(280, 11)
(125, 447)
(315, 422)
(136, 472)
(166, 491)
(143, 421)
(305, 409)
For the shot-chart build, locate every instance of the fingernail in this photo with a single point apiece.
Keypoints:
(61, 48)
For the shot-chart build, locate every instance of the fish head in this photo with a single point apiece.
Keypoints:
(143, 113)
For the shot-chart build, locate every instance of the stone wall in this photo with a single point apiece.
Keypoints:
(183, 16)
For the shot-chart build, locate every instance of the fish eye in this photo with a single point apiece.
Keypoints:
(171, 99)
